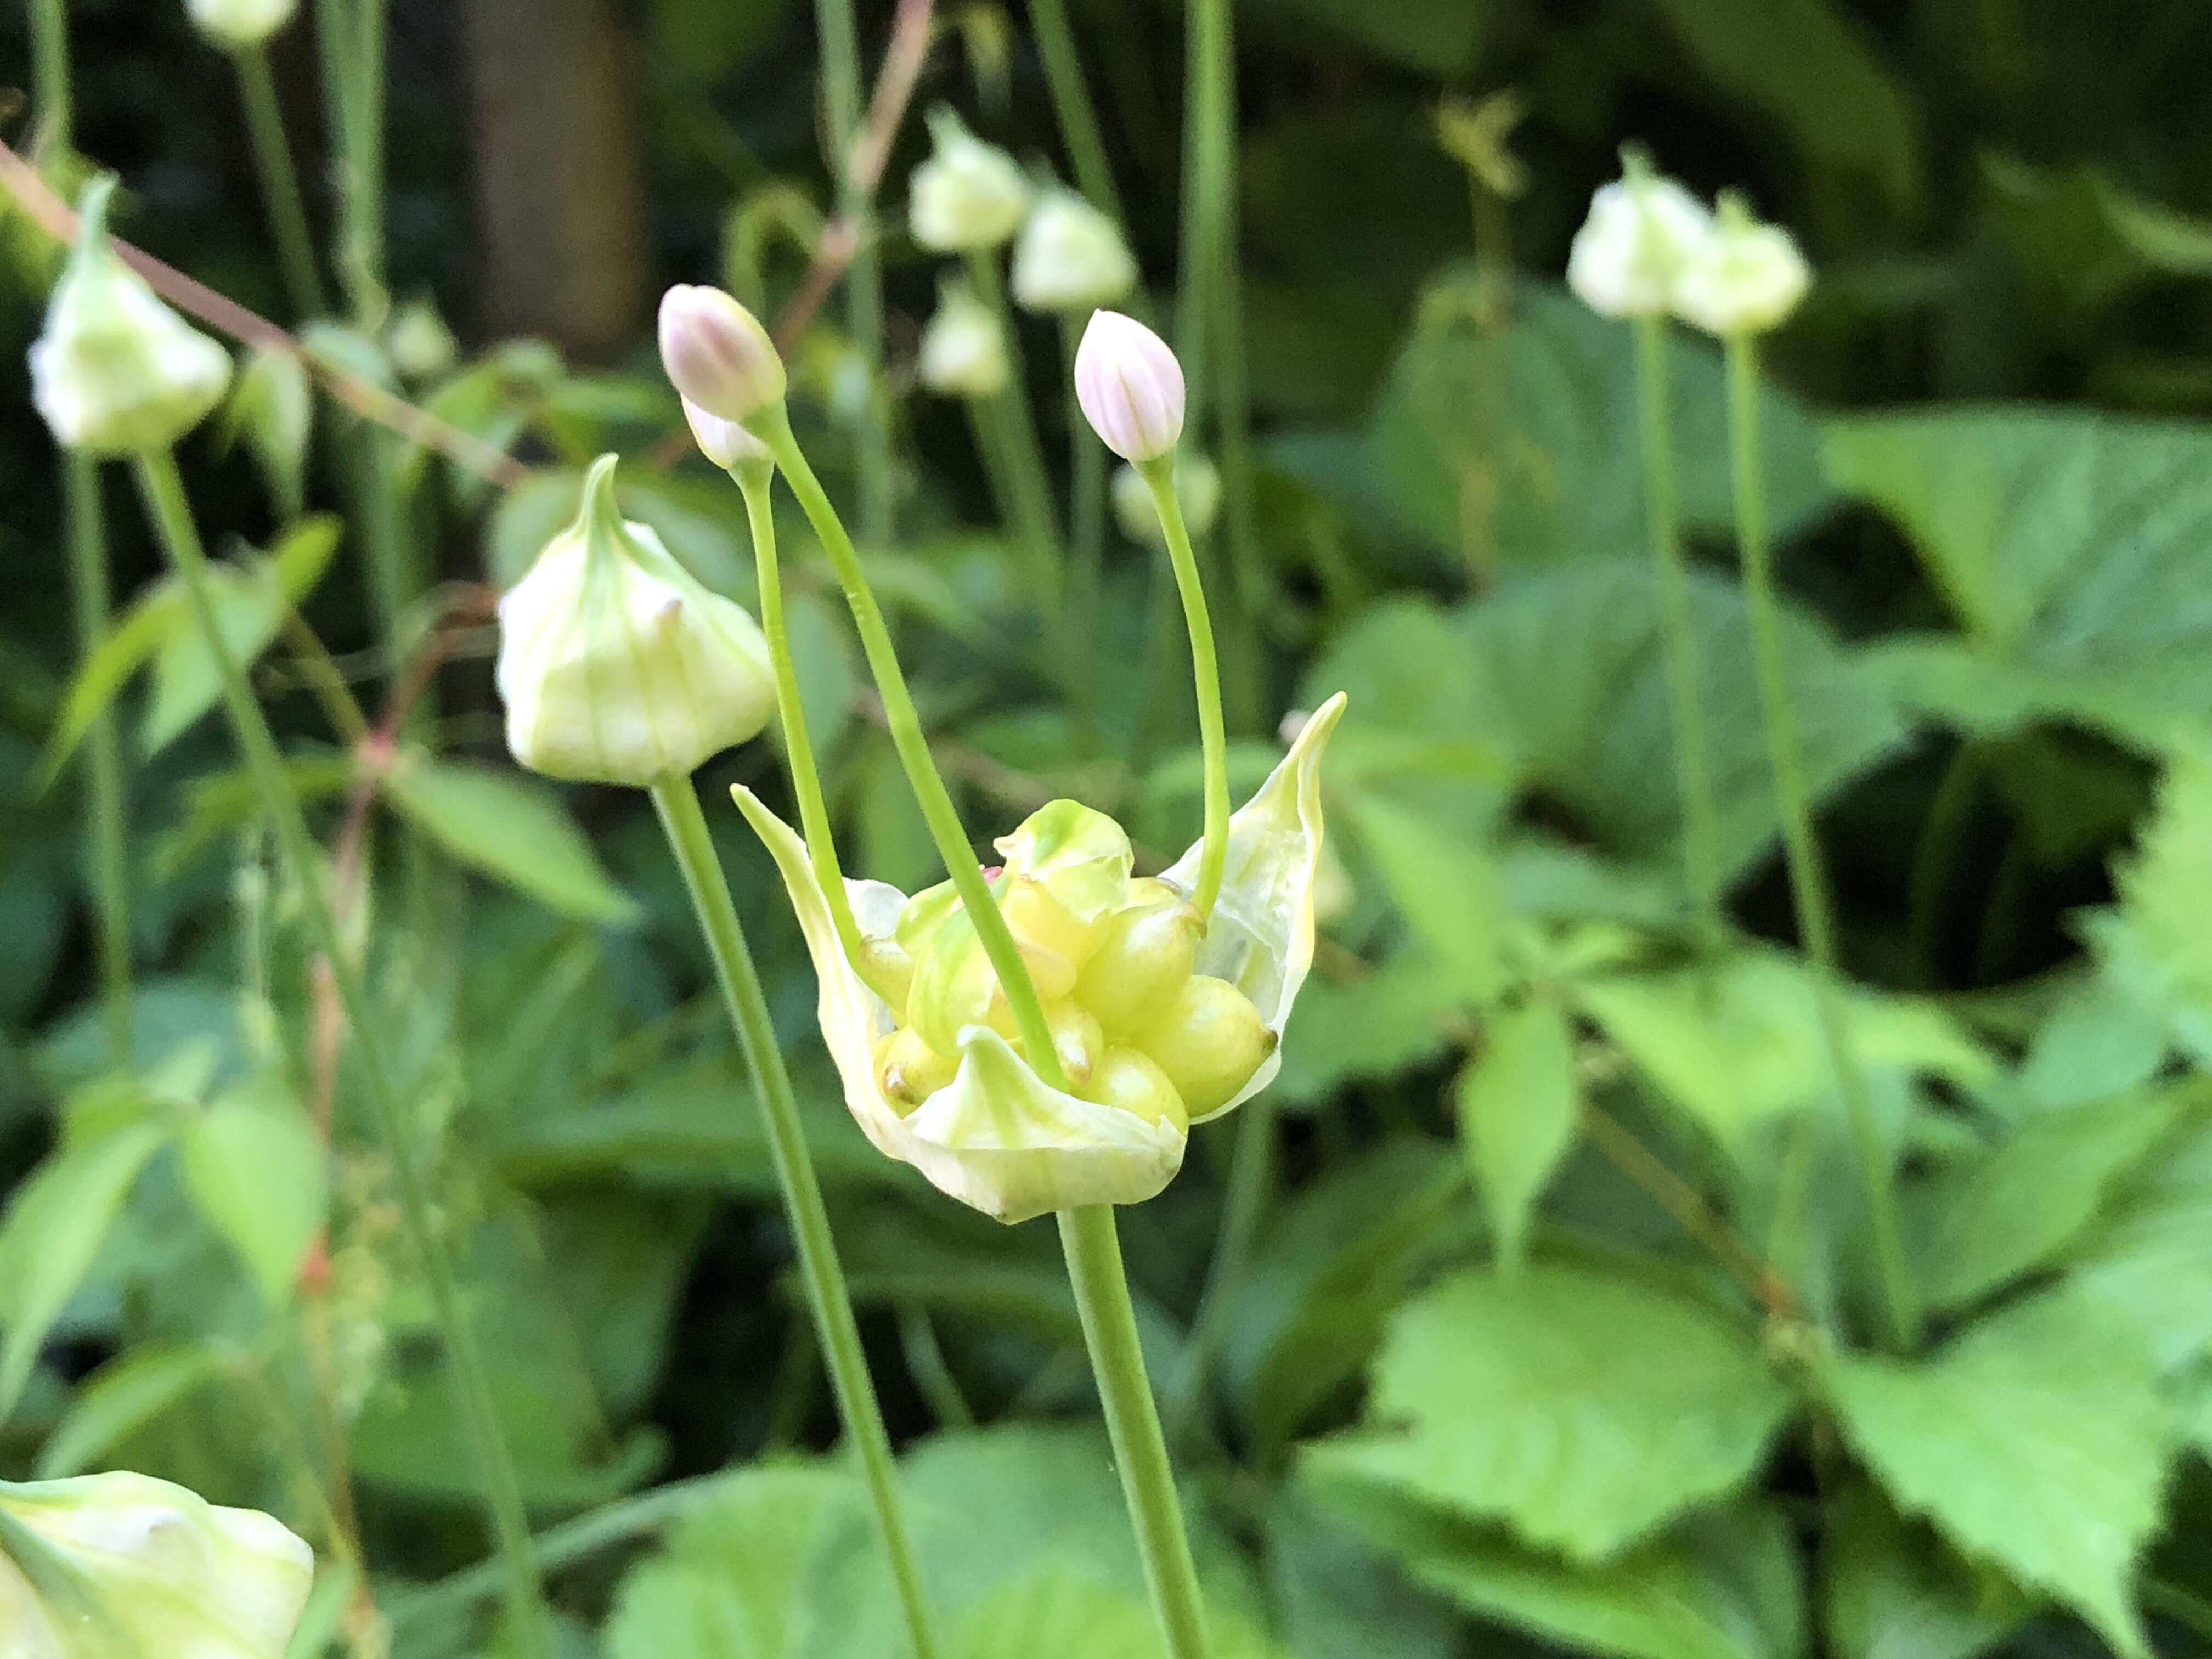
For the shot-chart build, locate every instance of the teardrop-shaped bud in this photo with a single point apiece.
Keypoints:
(909, 1070)
(116, 372)
(1070, 256)
(1209, 1041)
(235, 23)
(964, 355)
(1133, 1081)
(1641, 231)
(616, 664)
(1140, 964)
(1077, 1040)
(1130, 387)
(968, 195)
(717, 354)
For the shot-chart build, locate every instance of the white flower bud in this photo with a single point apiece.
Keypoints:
(1198, 492)
(968, 196)
(717, 355)
(420, 342)
(1641, 232)
(1070, 256)
(615, 663)
(1747, 278)
(116, 372)
(724, 442)
(153, 1567)
(964, 355)
(235, 23)
(1130, 387)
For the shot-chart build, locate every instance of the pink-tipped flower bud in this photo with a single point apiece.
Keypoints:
(717, 354)
(726, 443)
(1130, 387)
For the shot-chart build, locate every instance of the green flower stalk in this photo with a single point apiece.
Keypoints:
(617, 667)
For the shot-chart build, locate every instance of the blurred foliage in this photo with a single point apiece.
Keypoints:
(1519, 1361)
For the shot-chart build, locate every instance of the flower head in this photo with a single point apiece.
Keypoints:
(964, 355)
(1641, 231)
(1744, 279)
(968, 195)
(717, 354)
(1070, 256)
(235, 23)
(150, 1566)
(615, 663)
(1198, 493)
(1130, 387)
(116, 372)
(1157, 1021)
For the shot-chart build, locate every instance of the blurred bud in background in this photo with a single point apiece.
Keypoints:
(968, 195)
(1198, 492)
(1642, 232)
(1746, 278)
(421, 344)
(231, 24)
(963, 352)
(1070, 256)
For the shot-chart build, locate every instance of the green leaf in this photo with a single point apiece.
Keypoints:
(154, 618)
(124, 1396)
(1720, 1586)
(2083, 241)
(1439, 37)
(53, 1227)
(2035, 1440)
(1808, 67)
(1446, 889)
(1996, 1218)
(260, 1174)
(1518, 1109)
(1891, 1591)
(1399, 1014)
(1343, 1599)
(1070, 1615)
(2155, 945)
(2148, 1257)
(273, 404)
(1584, 1409)
(513, 830)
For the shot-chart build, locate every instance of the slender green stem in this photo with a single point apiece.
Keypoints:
(279, 182)
(799, 750)
(351, 34)
(1807, 880)
(1251, 1168)
(1248, 586)
(110, 850)
(1159, 477)
(1088, 1240)
(839, 47)
(1086, 466)
(1693, 765)
(1950, 815)
(1072, 108)
(1028, 483)
(773, 428)
(50, 75)
(678, 805)
(164, 492)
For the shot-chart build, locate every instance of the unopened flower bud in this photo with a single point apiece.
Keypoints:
(116, 372)
(1641, 231)
(1130, 387)
(1198, 493)
(968, 195)
(964, 355)
(235, 23)
(1746, 279)
(1209, 1042)
(153, 1568)
(1078, 1039)
(1070, 256)
(1140, 964)
(420, 342)
(909, 1070)
(717, 354)
(726, 443)
(616, 664)
(1130, 1080)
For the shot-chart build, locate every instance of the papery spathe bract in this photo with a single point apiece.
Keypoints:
(235, 23)
(1746, 279)
(995, 1136)
(717, 354)
(125, 1564)
(1198, 493)
(968, 195)
(1070, 256)
(1642, 232)
(616, 664)
(116, 372)
(1129, 386)
(964, 355)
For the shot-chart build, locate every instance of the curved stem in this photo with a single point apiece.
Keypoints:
(1072, 108)
(1807, 881)
(798, 751)
(1093, 1250)
(674, 799)
(279, 182)
(164, 492)
(773, 428)
(111, 850)
(1693, 765)
(840, 45)
(1159, 477)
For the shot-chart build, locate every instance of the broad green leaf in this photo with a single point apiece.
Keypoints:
(1518, 1106)
(511, 829)
(1996, 1219)
(1891, 1591)
(1399, 1014)
(124, 1396)
(1070, 1615)
(1723, 1585)
(1445, 888)
(273, 405)
(2101, 1039)
(54, 1226)
(260, 1174)
(1808, 67)
(2154, 946)
(2149, 1256)
(2036, 1440)
(1341, 1598)
(1584, 1409)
